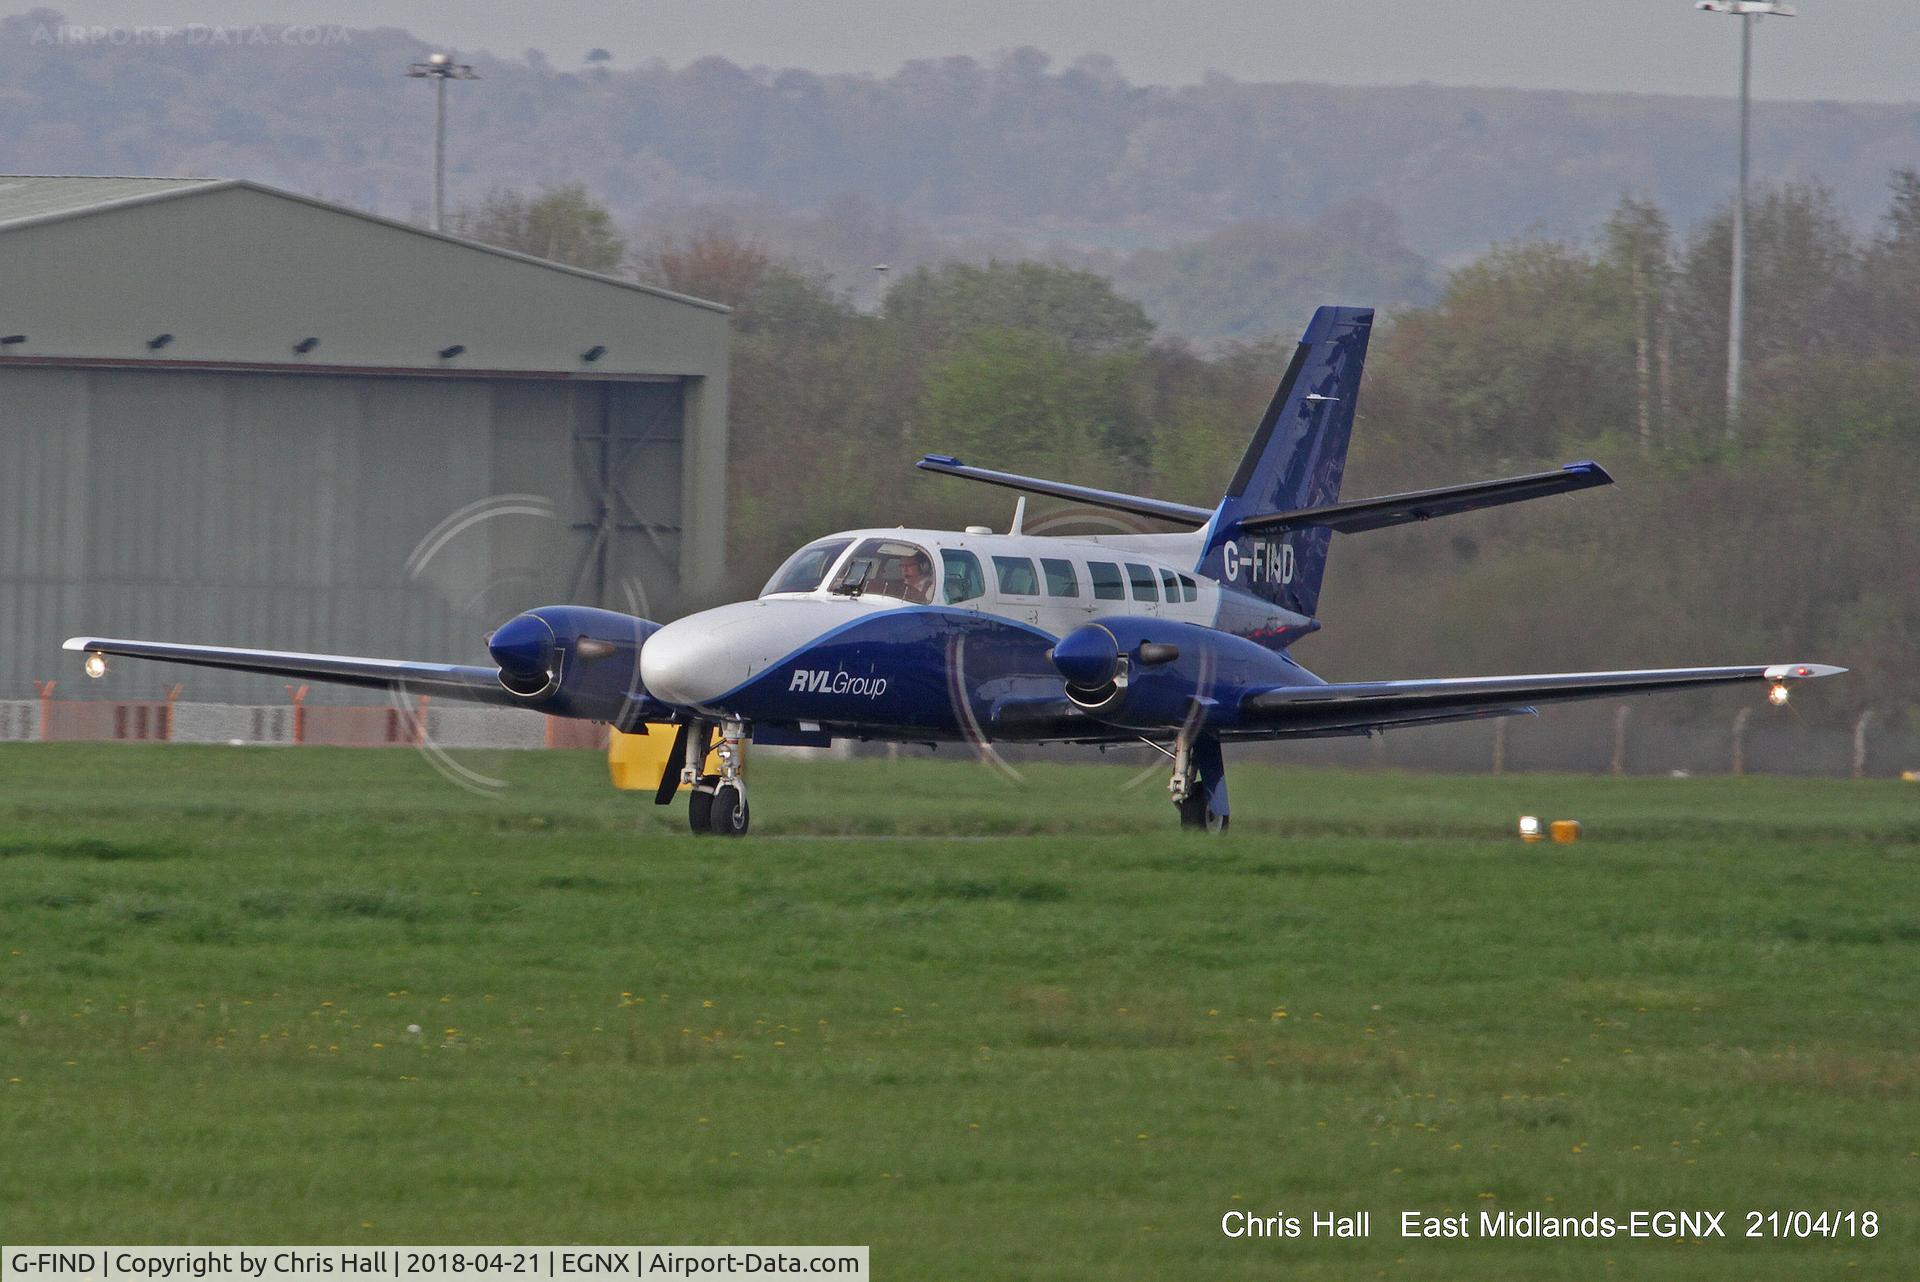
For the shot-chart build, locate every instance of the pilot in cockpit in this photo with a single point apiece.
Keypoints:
(916, 578)
(890, 568)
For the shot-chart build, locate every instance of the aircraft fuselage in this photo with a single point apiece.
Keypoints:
(965, 650)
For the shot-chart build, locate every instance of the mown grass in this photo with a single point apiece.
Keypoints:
(1063, 1050)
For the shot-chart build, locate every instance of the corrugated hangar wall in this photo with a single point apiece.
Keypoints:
(398, 513)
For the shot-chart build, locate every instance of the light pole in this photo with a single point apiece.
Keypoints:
(440, 68)
(1749, 12)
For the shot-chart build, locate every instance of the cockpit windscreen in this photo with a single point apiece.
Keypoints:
(806, 568)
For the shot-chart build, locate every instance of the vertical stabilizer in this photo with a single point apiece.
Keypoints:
(1294, 461)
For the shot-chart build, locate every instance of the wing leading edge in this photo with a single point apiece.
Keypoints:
(1365, 704)
(447, 680)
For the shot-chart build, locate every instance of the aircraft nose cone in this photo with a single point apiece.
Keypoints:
(673, 667)
(524, 647)
(1087, 657)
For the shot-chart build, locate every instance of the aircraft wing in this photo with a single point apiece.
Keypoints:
(1367, 704)
(443, 680)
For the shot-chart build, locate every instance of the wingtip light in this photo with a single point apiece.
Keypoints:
(96, 665)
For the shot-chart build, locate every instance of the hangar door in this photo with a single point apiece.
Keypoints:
(322, 512)
(628, 456)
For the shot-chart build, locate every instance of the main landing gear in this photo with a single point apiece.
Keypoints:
(717, 805)
(1199, 785)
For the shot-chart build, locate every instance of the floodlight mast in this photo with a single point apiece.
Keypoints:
(440, 68)
(1749, 12)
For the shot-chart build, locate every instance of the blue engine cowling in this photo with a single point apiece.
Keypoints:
(576, 661)
(1152, 674)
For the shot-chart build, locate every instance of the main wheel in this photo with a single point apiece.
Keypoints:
(700, 806)
(1195, 814)
(729, 815)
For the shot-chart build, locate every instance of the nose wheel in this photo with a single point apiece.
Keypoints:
(717, 805)
(724, 812)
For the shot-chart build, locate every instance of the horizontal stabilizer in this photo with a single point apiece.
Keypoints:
(1159, 509)
(1420, 505)
(444, 680)
(1386, 703)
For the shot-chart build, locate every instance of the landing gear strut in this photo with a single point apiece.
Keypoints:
(718, 803)
(1199, 784)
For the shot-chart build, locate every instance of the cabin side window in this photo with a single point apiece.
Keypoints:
(1016, 576)
(1107, 583)
(964, 582)
(1188, 592)
(1141, 577)
(1171, 583)
(1061, 578)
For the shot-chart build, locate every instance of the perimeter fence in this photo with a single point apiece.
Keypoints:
(1599, 739)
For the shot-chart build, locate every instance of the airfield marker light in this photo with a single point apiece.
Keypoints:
(1529, 828)
(1778, 695)
(96, 665)
(1565, 831)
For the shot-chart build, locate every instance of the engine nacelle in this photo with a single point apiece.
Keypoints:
(576, 661)
(1152, 674)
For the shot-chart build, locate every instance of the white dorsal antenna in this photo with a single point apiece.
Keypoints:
(1019, 515)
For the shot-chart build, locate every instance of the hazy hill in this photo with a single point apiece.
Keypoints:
(952, 152)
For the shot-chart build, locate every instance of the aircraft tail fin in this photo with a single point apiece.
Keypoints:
(1294, 462)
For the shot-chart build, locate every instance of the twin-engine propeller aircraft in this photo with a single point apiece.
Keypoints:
(1178, 640)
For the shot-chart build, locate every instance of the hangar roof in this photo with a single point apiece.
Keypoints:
(25, 197)
(235, 274)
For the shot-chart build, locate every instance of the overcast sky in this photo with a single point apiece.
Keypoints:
(1859, 49)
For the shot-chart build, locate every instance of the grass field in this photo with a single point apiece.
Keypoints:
(994, 1031)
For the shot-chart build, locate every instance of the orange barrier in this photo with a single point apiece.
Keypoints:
(361, 727)
(62, 719)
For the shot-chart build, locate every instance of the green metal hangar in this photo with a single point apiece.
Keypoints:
(232, 414)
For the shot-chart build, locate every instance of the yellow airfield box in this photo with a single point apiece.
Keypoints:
(637, 761)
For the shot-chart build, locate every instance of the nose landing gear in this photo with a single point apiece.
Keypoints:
(717, 805)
